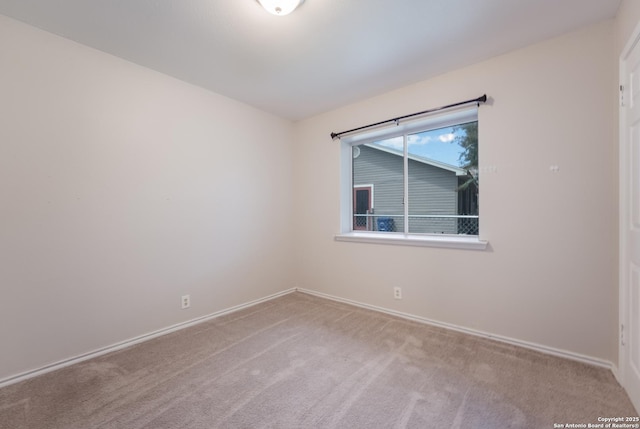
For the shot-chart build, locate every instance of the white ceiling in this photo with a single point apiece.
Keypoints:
(326, 54)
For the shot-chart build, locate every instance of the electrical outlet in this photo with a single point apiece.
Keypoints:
(397, 293)
(186, 301)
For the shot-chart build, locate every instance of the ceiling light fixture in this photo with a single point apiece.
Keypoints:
(280, 7)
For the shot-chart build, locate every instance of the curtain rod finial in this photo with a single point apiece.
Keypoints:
(334, 136)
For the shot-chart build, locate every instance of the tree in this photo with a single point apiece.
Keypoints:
(467, 139)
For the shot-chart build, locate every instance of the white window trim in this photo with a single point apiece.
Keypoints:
(347, 234)
(420, 240)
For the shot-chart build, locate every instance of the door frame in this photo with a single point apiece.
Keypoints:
(624, 206)
(368, 187)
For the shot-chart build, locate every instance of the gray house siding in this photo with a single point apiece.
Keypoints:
(432, 190)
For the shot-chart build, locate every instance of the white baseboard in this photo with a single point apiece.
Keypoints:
(146, 337)
(616, 374)
(532, 346)
(132, 341)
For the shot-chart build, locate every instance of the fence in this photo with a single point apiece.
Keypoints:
(418, 224)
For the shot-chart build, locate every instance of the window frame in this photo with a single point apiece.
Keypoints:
(433, 121)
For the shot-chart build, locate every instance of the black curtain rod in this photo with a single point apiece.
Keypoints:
(478, 100)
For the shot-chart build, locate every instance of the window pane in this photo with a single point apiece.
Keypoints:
(378, 181)
(441, 176)
(442, 180)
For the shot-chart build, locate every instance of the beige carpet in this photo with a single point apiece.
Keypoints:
(304, 362)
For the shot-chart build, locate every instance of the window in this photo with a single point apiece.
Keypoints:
(425, 177)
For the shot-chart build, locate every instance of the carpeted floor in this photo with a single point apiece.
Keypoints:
(304, 362)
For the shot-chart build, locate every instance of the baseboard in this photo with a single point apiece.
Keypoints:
(528, 345)
(616, 374)
(132, 341)
(146, 337)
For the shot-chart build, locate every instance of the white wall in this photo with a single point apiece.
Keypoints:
(627, 18)
(550, 274)
(122, 189)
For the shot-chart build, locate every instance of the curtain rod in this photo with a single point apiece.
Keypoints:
(478, 100)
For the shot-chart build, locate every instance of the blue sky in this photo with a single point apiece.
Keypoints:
(438, 145)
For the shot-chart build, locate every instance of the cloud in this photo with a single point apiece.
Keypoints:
(419, 139)
(446, 138)
(394, 143)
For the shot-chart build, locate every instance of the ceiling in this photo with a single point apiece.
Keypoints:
(324, 55)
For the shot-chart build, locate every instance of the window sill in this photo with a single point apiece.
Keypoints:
(446, 241)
